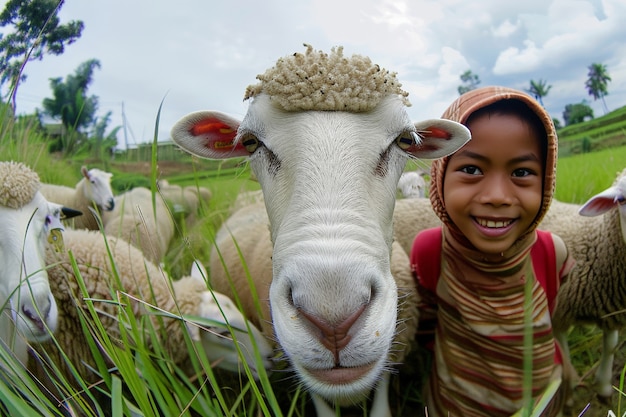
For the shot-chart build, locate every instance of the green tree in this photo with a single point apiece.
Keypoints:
(36, 32)
(597, 82)
(577, 113)
(539, 89)
(470, 82)
(71, 105)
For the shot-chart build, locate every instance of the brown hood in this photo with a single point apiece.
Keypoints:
(467, 104)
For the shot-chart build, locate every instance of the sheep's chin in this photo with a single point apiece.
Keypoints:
(341, 385)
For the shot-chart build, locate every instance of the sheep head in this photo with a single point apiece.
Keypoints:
(96, 186)
(27, 222)
(329, 180)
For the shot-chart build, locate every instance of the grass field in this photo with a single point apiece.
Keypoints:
(143, 381)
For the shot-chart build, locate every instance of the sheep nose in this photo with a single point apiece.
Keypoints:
(38, 313)
(111, 204)
(334, 338)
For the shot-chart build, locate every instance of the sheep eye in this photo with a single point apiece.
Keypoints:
(407, 140)
(251, 143)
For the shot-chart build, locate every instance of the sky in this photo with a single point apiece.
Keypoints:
(194, 55)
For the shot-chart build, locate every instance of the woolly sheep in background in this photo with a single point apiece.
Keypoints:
(595, 291)
(412, 184)
(142, 285)
(92, 192)
(145, 223)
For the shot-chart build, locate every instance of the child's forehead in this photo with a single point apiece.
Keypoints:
(499, 122)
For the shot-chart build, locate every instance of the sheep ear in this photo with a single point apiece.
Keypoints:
(601, 203)
(439, 138)
(208, 134)
(84, 171)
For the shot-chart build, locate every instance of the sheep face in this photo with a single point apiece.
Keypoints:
(98, 188)
(329, 182)
(24, 288)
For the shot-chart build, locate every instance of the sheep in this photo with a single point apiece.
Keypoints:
(142, 220)
(411, 216)
(204, 194)
(92, 192)
(247, 198)
(412, 184)
(327, 137)
(27, 222)
(186, 202)
(595, 291)
(181, 199)
(141, 284)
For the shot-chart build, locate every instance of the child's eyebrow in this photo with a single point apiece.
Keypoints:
(530, 156)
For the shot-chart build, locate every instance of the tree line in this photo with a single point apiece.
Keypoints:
(37, 32)
(597, 86)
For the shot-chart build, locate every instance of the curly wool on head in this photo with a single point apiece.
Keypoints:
(18, 184)
(327, 82)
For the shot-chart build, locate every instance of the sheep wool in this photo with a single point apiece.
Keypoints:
(328, 82)
(18, 184)
(138, 277)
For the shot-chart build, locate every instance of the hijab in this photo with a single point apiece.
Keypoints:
(459, 111)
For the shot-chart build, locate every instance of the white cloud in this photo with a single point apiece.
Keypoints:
(515, 61)
(506, 29)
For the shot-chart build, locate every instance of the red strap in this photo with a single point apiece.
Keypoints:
(543, 255)
(426, 257)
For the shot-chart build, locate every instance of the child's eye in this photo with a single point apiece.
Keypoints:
(522, 172)
(471, 170)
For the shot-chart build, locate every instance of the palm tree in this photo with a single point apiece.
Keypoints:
(597, 82)
(470, 81)
(539, 89)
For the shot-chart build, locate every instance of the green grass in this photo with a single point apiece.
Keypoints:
(581, 176)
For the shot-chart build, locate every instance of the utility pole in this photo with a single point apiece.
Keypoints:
(124, 123)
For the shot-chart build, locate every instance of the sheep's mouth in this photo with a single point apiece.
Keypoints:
(340, 375)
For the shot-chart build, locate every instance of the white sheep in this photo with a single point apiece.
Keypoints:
(143, 219)
(328, 137)
(204, 194)
(184, 202)
(412, 184)
(411, 216)
(595, 291)
(92, 192)
(144, 287)
(27, 222)
(247, 198)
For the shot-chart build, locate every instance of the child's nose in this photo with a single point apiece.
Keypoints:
(497, 191)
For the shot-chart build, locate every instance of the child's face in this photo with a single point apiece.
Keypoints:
(493, 185)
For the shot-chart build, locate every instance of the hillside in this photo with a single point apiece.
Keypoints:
(603, 132)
